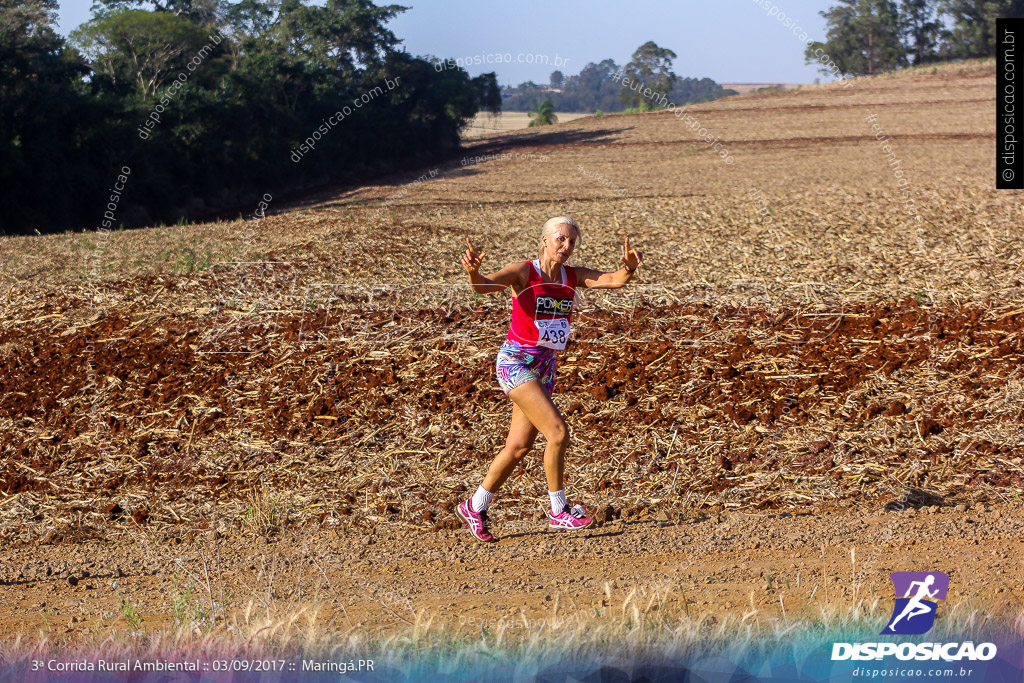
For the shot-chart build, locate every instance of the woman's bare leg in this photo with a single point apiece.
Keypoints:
(521, 435)
(542, 413)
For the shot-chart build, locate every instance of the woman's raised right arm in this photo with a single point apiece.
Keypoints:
(496, 282)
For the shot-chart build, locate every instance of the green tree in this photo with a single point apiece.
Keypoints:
(651, 66)
(877, 22)
(202, 12)
(53, 135)
(592, 89)
(145, 48)
(863, 38)
(22, 21)
(341, 36)
(250, 18)
(595, 88)
(247, 24)
(557, 79)
(273, 109)
(973, 26)
(920, 27)
(543, 114)
(522, 96)
(693, 90)
(490, 92)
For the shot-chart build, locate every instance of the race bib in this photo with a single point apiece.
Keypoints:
(553, 334)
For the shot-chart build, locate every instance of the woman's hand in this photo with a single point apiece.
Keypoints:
(631, 257)
(471, 260)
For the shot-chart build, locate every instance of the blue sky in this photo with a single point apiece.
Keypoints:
(730, 41)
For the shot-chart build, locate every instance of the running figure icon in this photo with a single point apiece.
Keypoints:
(917, 595)
(915, 607)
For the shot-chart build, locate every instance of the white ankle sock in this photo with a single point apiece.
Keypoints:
(557, 501)
(481, 499)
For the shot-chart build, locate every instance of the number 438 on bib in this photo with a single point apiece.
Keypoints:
(553, 333)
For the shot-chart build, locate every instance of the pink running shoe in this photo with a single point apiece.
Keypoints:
(569, 519)
(476, 521)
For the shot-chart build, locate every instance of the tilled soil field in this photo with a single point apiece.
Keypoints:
(672, 406)
(801, 344)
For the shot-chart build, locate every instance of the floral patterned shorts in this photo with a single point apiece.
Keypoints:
(518, 364)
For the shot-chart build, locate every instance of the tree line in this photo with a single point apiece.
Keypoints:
(871, 36)
(595, 89)
(209, 104)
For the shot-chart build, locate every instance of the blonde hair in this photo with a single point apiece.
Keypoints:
(551, 227)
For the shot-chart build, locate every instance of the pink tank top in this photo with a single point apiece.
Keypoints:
(542, 311)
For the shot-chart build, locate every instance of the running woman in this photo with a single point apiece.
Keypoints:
(541, 312)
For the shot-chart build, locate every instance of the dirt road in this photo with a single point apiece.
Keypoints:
(755, 565)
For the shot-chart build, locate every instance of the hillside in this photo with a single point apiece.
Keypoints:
(169, 318)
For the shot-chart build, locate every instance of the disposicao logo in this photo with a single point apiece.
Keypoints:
(916, 595)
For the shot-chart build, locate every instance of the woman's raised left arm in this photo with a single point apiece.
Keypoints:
(596, 279)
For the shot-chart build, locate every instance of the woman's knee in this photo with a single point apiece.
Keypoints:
(558, 433)
(518, 451)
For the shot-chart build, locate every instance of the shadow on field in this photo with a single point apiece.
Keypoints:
(460, 162)
(339, 192)
(74, 579)
(518, 139)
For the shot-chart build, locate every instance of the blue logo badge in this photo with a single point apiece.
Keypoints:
(917, 594)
